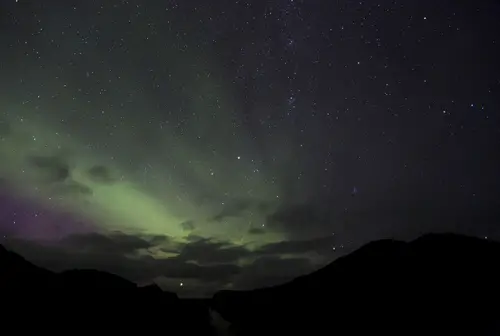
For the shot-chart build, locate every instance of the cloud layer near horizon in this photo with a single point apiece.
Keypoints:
(196, 268)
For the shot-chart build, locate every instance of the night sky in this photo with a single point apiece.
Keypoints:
(236, 144)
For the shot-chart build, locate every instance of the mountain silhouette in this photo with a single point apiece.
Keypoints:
(435, 285)
(438, 284)
(17, 272)
(91, 301)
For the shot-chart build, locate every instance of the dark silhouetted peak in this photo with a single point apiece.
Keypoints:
(436, 281)
(95, 279)
(372, 255)
(152, 289)
(7, 256)
(379, 248)
(17, 272)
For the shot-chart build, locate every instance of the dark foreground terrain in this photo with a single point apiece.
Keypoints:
(435, 285)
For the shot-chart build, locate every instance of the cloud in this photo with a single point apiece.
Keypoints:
(207, 251)
(297, 220)
(194, 238)
(202, 262)
(56, 171)
(101, 174)
(233, 208)
(73, 188)
(115, 242)
(257, 231)
(159, 239)
(114, 253)
(236, 207)
(52, 168)
(188, 225)
(179, 269)
(322, 245)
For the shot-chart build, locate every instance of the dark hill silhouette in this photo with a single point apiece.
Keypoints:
(435, 285)
(93, 279)
(17, 272)
(89, 300)
(439, 284)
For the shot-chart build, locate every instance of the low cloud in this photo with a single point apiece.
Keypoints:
(201, 261)
(299, 221)
(208, 251)
(52, 169)
(232, 208)
(116, 242)
(256, 231)
(109, 253)
(322, 246)
(188, 225)
(236, 207)
(101, 174)
(73, 188)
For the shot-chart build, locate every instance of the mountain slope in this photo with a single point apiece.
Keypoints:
(437, 283)
(89, 300)
(434, 285)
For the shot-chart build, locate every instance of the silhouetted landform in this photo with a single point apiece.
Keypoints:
(439, 284)
(76, 301)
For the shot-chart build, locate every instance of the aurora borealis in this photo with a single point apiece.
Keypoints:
(237, 144)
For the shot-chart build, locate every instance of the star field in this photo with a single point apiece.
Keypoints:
(234, 144)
